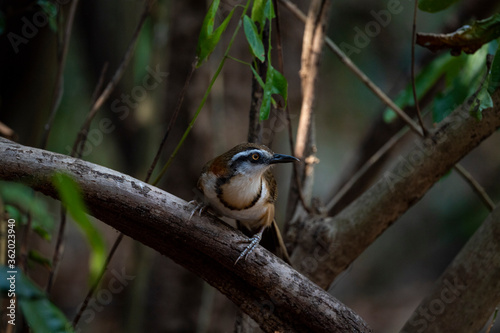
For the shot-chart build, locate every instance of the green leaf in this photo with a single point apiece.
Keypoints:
(71, 197)
(275, 84)
(258, 10)
(209, 38)
(279, 84)
(142, 54)
(41, 314)
(50, 9)
(38, 258)
(14, 213)
(433, 6)
(464, 82)
(462, 76)
(482, 101)
(18, 197)
(445, 65)
(494, 78)
(269, 10)
(265, 106)
(44, 317)
(252, 35)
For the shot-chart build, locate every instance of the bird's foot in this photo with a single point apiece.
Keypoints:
(254, 241)
(198, 207)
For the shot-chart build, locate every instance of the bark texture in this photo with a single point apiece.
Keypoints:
(276, 296)
(327, 246)
(466, 294)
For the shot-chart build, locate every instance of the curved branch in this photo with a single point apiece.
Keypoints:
(276, 296)
(327, 246)
(468, 291)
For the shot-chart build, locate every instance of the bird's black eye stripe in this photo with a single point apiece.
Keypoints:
(252, 157)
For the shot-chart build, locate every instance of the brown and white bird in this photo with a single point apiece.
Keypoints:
(239, 185)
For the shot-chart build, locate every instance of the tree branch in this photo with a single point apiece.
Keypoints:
(327, 246)
(276, 296)
(468, 291)
(305, 145)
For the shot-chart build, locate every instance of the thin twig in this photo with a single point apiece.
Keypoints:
(392, 141)
(492, 320)
(279, 45)
(481, 193)
(7, 132)
(255, 126)
(375, 89)
(413, 86)
(365, 167)
(476, 187)
(56, 99)
(372, 86)
(313, 41)
(204, 99)
(287, 109)
(100, 83)
(172, 120)
(82, 134)
(308, 74)
(96, 283)
(279, 48)
(23, 262)
(58, 250)
(62, 55)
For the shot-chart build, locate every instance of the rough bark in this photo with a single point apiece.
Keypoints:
(327, 246)
(468, 291)
(276, 296)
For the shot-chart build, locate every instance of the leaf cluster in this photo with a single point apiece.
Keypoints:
(261, 16)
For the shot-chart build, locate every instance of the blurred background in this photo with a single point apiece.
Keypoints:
(384, 285)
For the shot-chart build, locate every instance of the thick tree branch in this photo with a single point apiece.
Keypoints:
(276, 296)
(327, 246)
(468, 291)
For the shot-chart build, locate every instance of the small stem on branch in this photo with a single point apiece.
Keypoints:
(413, 86)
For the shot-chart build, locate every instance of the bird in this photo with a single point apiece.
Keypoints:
(240, 185)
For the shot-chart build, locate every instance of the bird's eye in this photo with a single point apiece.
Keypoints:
(255, 156)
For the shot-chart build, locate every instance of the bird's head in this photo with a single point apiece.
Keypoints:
(252, 159)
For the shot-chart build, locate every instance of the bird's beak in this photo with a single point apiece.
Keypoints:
(280, 158)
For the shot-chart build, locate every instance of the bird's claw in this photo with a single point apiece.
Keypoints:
(254, 241)
(198, 207)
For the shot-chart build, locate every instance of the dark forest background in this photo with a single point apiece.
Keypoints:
(384, 285)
